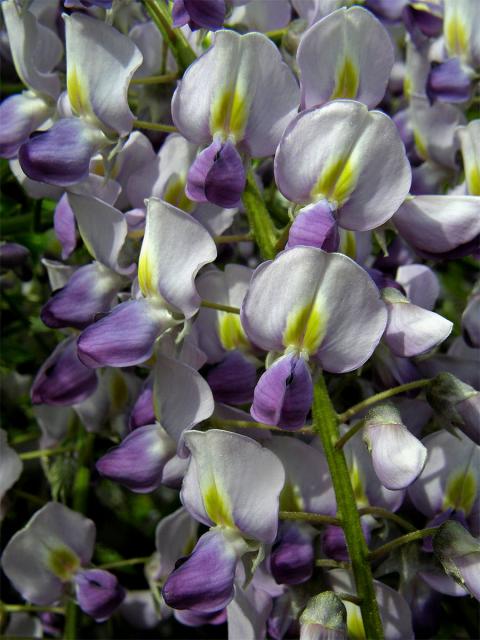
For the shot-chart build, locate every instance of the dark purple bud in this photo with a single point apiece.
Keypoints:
(292, 557)
(12, 255)
(423, 21)
(98, 593)
(284, 394)
(139, 460)
(217, 176)
(449, 82)
(63, 379)
(90, 291)
(143, 412)
(233, 380)
(203, 582)
(199, 14)
(61, 155)
(315, 226)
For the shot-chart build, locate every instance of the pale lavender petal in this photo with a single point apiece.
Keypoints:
(420, 284)
(63, 379)
(65, 227)
(174, 537)
(20, 115)
(98, 593)
(204, 581)
(138, 461)
(10, 465)
(61, 155)
(284, 394)
(315, 226)
(124, 337)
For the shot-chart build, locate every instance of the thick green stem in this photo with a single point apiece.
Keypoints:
(16, 608)
(181, 50)
(398, 542)
(314, 518)
(154, 126)
(259, 219)
(326, 425)
(71, 621)
(219, 307)
(368, 402)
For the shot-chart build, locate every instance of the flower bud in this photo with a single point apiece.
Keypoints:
(457, 402)
(98, 593)
(459, 553)
(324, 618)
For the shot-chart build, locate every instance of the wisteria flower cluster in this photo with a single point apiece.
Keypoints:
(241, 353)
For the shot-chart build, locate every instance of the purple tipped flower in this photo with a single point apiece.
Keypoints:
(98, 593)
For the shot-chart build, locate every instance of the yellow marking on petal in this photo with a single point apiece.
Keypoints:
(348, 243)
(306, 327)
(456, 35)
(230, 331)
(229, 114)
(77, 92)
(217, 507)
(460, 492)
(347, 80)
(473, 181)
(175, 194)
(420, 144)
(63, 562)
(357, 485)
(407, 86)
(145, 273)
(337, 180)
(291, 498)
(356, 630)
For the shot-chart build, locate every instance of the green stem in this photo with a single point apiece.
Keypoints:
(383, 513)
(349, 597)
(25, 437)
(251, 424)
(398, 542)
(240, 237)
(326, 563)
(15, 608)
(314, 518)
(368, 402)
(30, 497)
(326, 425)
(124, 563)
(153, 126)
(166, 78)
(71, 621)
(45, 453)
(349, 434)
(259, 219)
(219, 307)
(181, 50)
(276, 35)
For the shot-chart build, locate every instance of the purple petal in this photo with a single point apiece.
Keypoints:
(98, 593)
(180, 16)
(91, 290)
(204, 14)
(315, 226)
(233, 380)
(61, 155)
(138, 461)
(292, 558)
(122, 338)
(143, 412)
(63, 379)
(13, 255)
(283, 395)
(65, 227)
(19, 116)
(448, 82)
(204, 581)
(217, 176)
